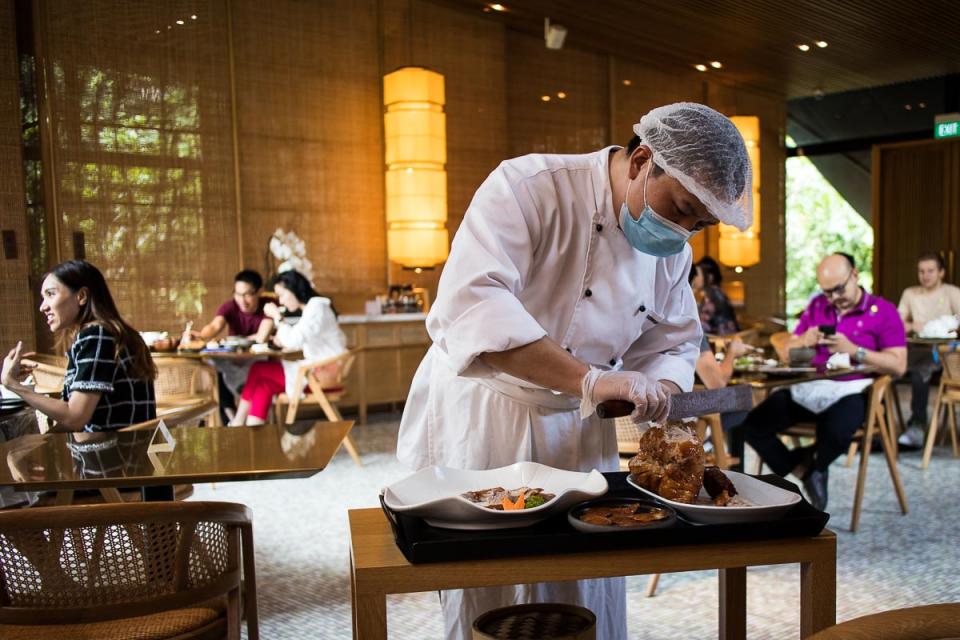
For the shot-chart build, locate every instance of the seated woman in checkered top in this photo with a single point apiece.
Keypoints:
(110, 374)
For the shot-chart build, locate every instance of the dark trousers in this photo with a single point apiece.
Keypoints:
(920, 369)
(920, 384)
(835, 429)
(226, 399)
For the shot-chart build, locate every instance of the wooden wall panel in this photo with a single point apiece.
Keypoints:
(309, 129)
(17, 318)
(637, 88)
(578, 123)
(916, 210)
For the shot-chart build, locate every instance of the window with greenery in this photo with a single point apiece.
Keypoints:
(819, 222)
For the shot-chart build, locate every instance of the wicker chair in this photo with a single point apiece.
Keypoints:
(325, 392)
(184, 383)
(932, 622)
(132, 571)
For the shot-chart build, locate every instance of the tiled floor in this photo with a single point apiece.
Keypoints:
(893, 561)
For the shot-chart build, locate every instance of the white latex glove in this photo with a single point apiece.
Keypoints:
(651, 399)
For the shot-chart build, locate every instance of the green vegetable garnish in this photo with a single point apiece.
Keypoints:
(533, 501)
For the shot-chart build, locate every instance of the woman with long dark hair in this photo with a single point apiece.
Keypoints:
(716, 313)
(110, 374)
(316, 333)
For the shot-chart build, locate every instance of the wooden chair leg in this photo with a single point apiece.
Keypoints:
(932, 431)
(887, 439)
(333, 416)
(953, 429)
(652, 585)
(111, 494)
(895, 423)
(852, 452)
(862, 473)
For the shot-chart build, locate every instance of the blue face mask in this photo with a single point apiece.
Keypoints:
(652, 233)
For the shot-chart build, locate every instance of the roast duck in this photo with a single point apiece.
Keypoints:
(670, 463)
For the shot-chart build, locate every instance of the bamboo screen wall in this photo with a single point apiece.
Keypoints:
(143, 154)
(309, 120)
(18, 312)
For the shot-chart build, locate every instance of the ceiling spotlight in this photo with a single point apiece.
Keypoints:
(803, 47)
(157, 31)
(627, 83)
(496, 6)
(700, 67)
(545, 98)
(193, 17)
(922, 105)
(821, 43)
(179, 21)
(716, 64)
(908, 107)
(561, 95)
(554, 34)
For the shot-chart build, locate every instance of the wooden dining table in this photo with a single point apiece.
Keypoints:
(234, 356)
(763, 383)
(64, 462)
(378, 568)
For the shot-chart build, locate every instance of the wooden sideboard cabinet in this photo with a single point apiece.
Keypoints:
(390, 350)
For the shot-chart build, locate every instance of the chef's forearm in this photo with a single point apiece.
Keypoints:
(542, 362)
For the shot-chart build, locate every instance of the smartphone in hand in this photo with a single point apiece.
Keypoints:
(827, 329)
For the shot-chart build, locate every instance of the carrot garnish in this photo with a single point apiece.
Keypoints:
(513, 506)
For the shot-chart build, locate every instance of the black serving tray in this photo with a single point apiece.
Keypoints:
(422, 543)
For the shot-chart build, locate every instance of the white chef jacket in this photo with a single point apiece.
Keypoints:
(540, 253)
(317, 334)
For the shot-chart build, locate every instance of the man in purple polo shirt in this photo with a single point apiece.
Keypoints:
(868, 329)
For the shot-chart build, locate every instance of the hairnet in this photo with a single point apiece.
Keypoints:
(706, 154)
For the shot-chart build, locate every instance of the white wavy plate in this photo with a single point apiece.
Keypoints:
(769, 502)
(433, 493)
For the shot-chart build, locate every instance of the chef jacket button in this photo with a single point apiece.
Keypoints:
(641, 308)
(588, 293)
(613, 362)
(599, 227)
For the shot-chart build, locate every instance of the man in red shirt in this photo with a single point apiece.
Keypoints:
(242, 315)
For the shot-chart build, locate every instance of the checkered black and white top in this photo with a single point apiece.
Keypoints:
(93, 365)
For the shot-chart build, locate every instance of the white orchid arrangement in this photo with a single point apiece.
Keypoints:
(290, 252)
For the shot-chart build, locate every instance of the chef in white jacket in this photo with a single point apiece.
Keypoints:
(566, 285)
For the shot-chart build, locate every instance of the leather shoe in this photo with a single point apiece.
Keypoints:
(815, 484)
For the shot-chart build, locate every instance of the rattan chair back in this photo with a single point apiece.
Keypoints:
(180, 379)
(65, 565)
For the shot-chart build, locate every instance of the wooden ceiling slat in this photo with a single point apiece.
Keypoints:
(871, 42)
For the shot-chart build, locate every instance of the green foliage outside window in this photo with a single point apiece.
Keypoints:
(819, 222)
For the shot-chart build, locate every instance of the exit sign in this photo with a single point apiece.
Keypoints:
(947, 125)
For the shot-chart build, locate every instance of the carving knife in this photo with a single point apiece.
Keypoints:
(690, 404)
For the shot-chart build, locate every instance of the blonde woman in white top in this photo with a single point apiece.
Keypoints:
(317, 334)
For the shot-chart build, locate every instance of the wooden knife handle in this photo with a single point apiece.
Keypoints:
(614, 408)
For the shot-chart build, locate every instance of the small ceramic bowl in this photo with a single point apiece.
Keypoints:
(575, 512)
(801, 356)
